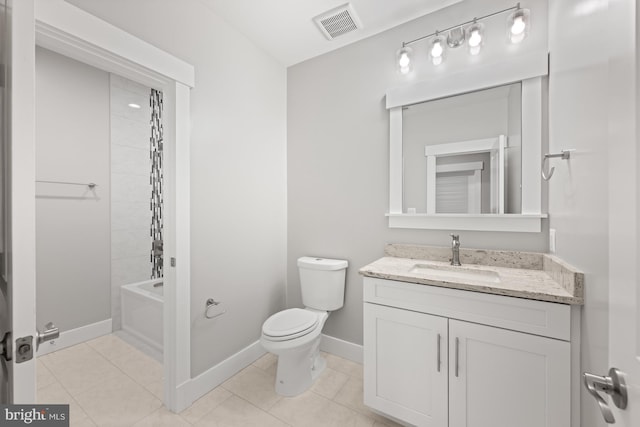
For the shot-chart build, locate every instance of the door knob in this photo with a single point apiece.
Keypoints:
(613, 385)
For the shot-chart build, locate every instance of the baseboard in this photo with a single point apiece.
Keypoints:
(213, 377)
(76, 336)
(342, 348)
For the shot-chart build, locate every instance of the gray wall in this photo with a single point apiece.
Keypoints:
(72, 222)
(238, 168)
(338, 155)
(578, 191)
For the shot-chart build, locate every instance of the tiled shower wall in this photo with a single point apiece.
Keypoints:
(156, 143)
(130, 188)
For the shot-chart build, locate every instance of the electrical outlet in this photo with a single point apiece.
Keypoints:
(552, 240)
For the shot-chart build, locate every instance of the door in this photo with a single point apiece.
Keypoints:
(624, 186)
(405, 358)
(501, 378)
(5, 326)
(17, 281)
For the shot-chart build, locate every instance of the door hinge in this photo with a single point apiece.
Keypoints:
(5, 347)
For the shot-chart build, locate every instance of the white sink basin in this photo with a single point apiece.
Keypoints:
(452, 273)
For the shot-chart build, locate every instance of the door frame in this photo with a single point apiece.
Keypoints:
(70, 31)
(624, 204)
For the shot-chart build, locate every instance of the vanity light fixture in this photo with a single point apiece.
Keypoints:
(472, 32)
(134, 106)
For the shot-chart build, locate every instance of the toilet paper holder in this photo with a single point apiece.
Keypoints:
(213, 309)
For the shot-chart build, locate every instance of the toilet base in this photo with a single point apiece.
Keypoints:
(298, 369)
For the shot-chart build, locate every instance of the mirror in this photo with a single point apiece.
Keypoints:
(465, 149)
(462, 154)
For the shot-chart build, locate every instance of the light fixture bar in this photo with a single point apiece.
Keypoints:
(516, 7)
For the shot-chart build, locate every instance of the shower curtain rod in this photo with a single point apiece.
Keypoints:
(90, 184)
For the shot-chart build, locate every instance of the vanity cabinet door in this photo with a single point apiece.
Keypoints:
(405, 363)
(501, 378)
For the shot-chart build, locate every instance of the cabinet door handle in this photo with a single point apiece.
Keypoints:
(438, 351)
(457, 354)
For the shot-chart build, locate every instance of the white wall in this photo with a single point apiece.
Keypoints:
(238, 167)
(131, 189)
(578, 191)
(338, 152)
(72, 222)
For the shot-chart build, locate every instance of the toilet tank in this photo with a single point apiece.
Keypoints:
(322, 282)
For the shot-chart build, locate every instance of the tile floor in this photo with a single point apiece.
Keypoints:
(108, 382)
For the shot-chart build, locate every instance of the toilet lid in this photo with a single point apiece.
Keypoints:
(287, 323)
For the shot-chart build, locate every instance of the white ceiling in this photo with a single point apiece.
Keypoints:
(285, 28)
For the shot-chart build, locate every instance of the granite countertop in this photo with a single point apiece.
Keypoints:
(528, 275)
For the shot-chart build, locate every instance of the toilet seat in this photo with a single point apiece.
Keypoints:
(289, 324)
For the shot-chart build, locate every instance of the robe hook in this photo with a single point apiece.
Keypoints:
(564, 154)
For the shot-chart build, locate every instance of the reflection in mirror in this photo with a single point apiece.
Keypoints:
(463, 154)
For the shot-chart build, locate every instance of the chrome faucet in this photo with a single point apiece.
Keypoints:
(455, 249)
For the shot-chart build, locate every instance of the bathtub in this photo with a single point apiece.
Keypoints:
(142, 311)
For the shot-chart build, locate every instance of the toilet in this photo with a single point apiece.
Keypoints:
(294, 334)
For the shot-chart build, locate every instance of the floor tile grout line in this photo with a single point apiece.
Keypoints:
(115, 366)
(123, 372)
(356, 410)
(138, 383)
(210, 410)
(268, 412)
(66, 390)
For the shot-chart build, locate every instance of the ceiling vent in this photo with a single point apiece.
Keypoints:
(338, 21)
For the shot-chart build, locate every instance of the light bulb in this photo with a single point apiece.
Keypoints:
(436, 49)
(517, 38)
(404, 60)
(518, 25)
(475, 39)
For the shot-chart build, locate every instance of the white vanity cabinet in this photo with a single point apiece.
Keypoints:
(405, 364)
(446, 357)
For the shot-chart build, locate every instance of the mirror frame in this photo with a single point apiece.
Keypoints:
(529, 69)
